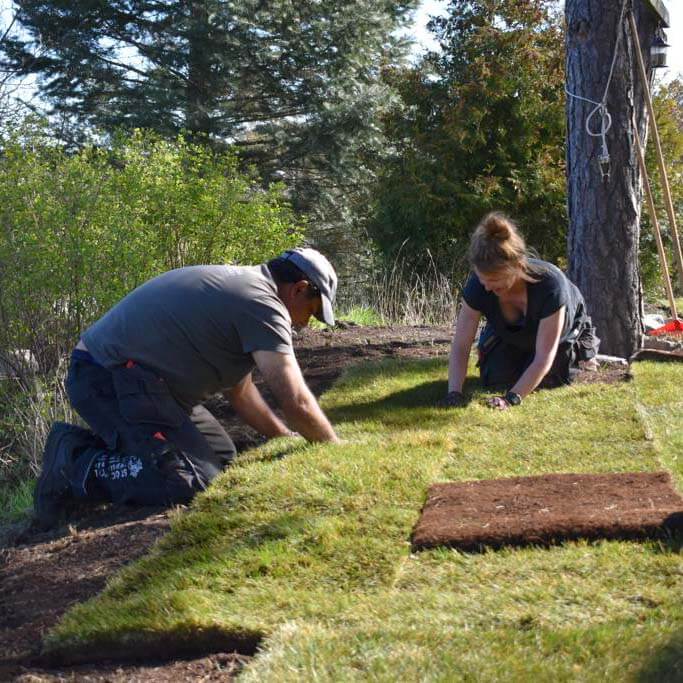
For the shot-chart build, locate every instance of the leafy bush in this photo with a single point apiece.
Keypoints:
(482, 128)
(78, 231)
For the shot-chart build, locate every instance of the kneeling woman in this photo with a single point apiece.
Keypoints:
(537, 328)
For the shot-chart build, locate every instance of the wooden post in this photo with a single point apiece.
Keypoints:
(660, 157)
(655, 224)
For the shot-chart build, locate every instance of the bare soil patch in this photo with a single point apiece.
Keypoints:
(43, 574)
(548, 509)
(660, 355)
(214, 667)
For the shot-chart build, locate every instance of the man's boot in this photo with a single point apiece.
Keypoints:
(54, 487)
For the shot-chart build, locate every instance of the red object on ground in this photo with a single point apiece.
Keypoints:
(669, 327)
(159, 435)
(130, 364)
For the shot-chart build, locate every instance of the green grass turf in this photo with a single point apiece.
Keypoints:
(16, 501)
(663, 302)
(308, 546)
(358, 315)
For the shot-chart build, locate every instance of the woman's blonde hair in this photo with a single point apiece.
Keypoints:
(497, 245)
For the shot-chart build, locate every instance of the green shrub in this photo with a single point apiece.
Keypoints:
(78, 231)
(28, 407)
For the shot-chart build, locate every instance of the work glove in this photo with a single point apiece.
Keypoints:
(498, 402)
(510, 400)
(453, 399)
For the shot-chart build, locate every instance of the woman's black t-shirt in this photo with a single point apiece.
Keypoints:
(552, 290)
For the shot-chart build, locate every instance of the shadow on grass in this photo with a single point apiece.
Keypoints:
(666, 664)
(673, 532)
(391, 409)
(179, 643)
(280, 453)
(227, 533)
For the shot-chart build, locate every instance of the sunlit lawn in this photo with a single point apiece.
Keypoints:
(307, 546)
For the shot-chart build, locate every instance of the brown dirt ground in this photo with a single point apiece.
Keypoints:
(659, 355)
(43, 574)
(546, 509)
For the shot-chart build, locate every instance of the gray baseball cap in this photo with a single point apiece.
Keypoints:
(321, 274)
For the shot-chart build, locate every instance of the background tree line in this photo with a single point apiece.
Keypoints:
(481, 126)
(294, 88)
(214, 130)
(382, 158)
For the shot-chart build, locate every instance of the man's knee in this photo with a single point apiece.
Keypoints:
(221, 449)
(182, 479)
(164, 475)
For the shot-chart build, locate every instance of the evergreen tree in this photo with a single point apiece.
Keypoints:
(484, 131)
(295, 85)
(212, 67)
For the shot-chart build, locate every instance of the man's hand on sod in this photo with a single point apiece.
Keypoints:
(302, 412)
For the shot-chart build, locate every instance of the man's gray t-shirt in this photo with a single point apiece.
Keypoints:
(196, 327)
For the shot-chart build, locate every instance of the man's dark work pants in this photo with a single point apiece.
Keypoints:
(153, 452)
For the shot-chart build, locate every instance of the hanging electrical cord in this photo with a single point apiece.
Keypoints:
(601, 107)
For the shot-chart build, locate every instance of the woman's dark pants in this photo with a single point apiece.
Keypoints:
(502, 364)
(153, 452)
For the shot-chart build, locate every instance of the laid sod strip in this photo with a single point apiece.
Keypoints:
(308, 547)
(659, 401)
(550, 508)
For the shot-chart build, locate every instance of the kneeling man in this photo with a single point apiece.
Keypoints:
(139, 374)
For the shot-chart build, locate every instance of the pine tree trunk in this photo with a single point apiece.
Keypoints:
(604, 215)
(198, 121)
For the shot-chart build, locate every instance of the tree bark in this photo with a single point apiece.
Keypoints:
(198, 99)
(604, 215)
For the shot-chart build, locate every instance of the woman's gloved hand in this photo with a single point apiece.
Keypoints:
(510, 400)
(498, 402)
(453, 399)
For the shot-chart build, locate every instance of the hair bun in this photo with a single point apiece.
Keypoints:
(497, 227)
(496, 243)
